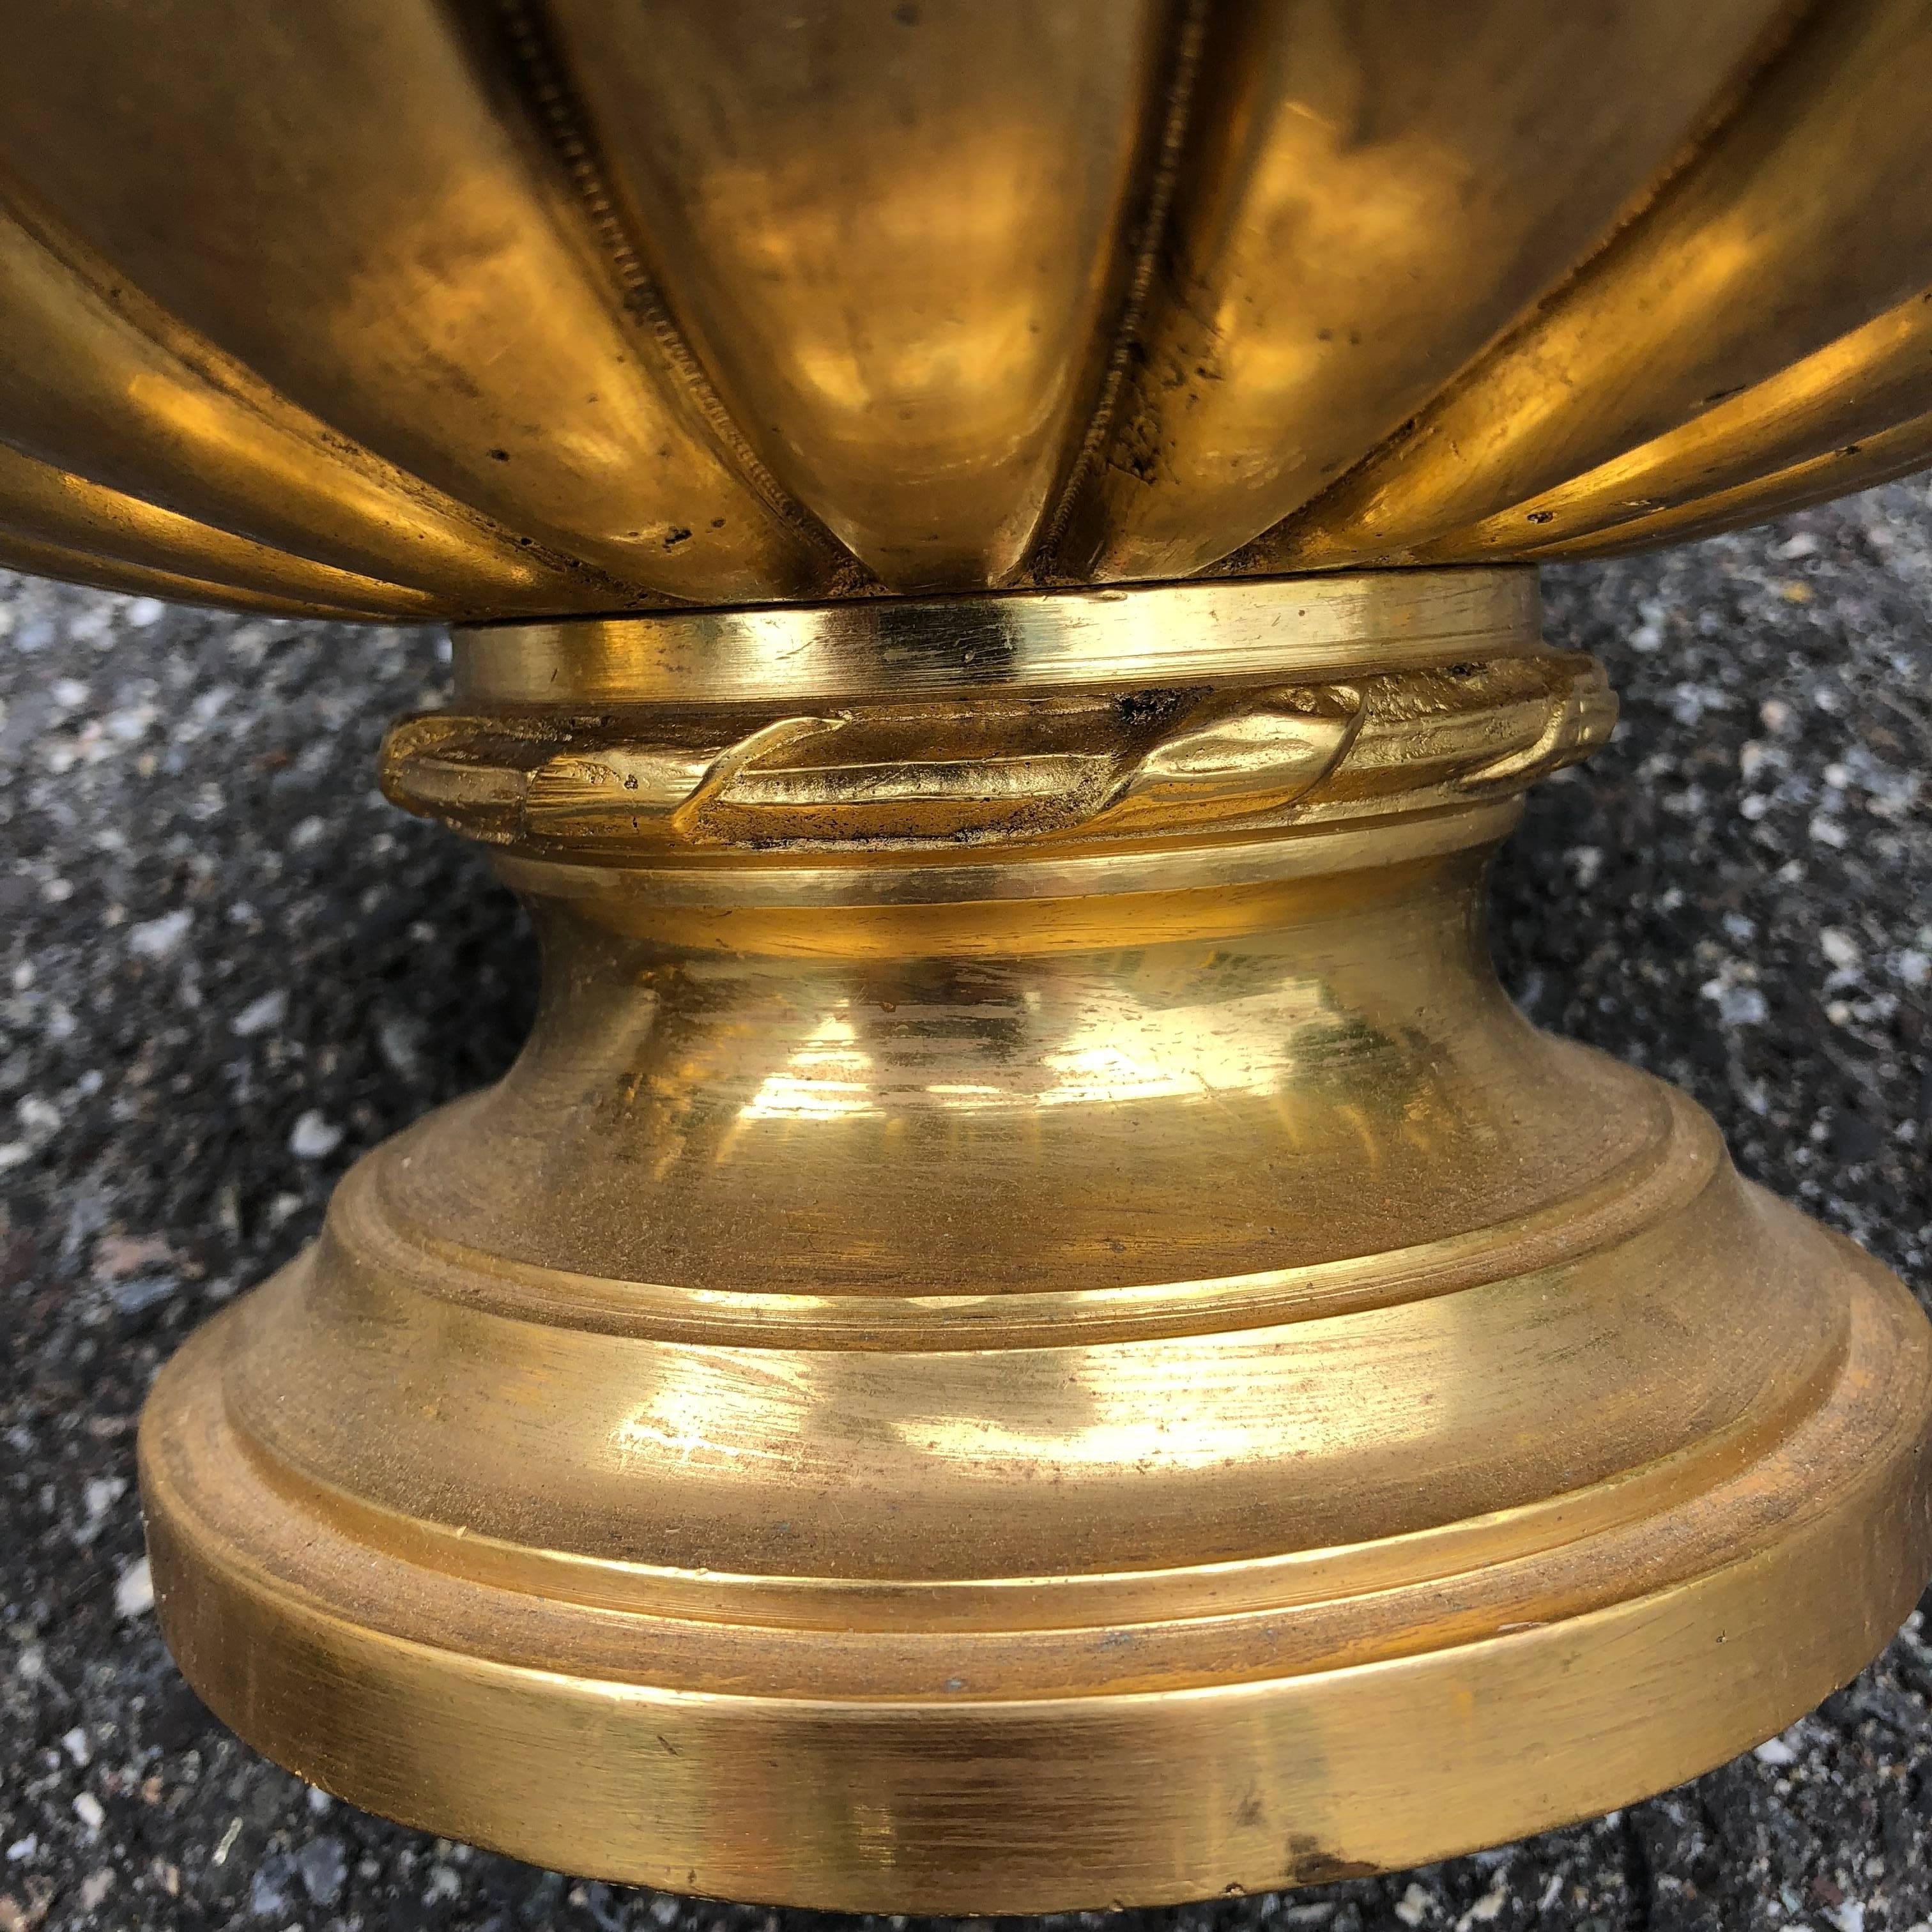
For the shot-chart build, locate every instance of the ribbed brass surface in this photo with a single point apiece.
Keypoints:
(1031, 1329)
(492, 308)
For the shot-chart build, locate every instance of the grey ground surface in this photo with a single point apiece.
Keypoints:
(226, 968)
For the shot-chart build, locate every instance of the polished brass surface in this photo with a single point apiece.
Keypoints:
(1715, 289)
(1841, 403)
(533, 308)
(1031, 1329)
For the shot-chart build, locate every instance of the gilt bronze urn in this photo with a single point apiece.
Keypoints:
(1031, 1328)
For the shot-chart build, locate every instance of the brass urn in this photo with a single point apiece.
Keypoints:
(1031, 1329)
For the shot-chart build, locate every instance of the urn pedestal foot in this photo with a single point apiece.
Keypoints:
(1031, 1329)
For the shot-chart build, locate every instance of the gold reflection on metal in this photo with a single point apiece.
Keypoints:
(1855, 389)
(956, 1305)
(1695, 300)
(557, 306)
(956, 354)
(1335, 157)
(1031, 1329)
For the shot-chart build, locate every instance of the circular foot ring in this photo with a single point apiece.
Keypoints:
(323, 1650)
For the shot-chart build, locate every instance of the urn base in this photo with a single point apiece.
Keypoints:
(1031, 1329)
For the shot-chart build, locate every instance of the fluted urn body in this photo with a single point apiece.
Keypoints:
(1031, 1329)
(417, 308)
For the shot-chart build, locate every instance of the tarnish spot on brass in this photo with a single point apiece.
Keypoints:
(1310, 1863)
